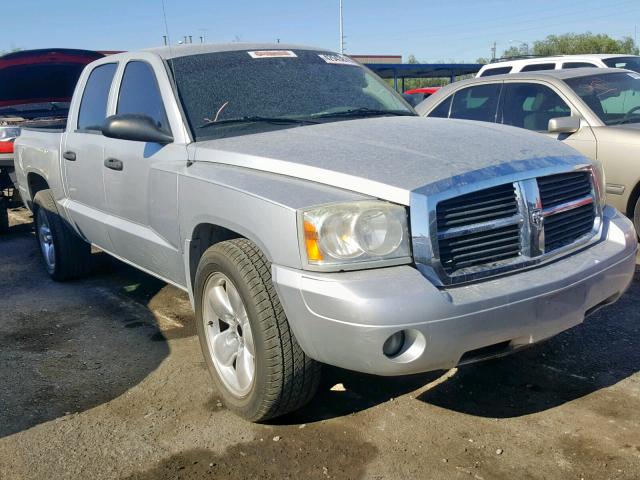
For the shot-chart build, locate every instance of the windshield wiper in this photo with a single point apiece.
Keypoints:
(364, 112)
(259, 119)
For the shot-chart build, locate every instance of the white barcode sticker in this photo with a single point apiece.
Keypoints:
(337, 59)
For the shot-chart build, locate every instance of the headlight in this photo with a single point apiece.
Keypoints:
(355, 233)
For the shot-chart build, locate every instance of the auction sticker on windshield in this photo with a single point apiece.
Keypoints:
(272, 54)
(337, 59)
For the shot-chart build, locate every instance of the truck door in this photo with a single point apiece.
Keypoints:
(141, 182)
(82, 154)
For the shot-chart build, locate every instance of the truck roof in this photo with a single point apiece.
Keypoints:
(175, 51)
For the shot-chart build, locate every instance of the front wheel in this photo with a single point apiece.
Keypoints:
(255, 361)
(65, 254)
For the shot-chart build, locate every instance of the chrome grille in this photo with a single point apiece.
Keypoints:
(512, 225)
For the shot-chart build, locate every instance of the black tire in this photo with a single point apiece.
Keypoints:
(636, 217)
(285, 377)
(4, 215)
(72, 254)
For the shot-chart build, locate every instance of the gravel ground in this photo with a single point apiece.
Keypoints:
(103, 378)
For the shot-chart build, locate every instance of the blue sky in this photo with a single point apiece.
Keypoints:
(433, 31)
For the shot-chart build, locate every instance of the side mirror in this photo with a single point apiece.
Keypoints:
(138, 128)
(564, 125)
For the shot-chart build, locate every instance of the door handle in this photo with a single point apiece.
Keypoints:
(69, 155)
(113, 164)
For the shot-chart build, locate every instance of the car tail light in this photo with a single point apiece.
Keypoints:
(6, 147)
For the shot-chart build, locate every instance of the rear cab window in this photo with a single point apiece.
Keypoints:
(535, 67)
(93, 106)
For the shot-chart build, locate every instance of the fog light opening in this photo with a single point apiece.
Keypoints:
(394, 344)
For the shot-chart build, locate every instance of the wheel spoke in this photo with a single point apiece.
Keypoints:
(247, 335)
(220, 303)
(244, 367)
(234, 299)
(225, 347)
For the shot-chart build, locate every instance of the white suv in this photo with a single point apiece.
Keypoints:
(630, 62)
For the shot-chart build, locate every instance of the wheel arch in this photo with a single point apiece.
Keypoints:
(204, 236)
(35, 183)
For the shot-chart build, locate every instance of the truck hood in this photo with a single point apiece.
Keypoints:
(389, 157)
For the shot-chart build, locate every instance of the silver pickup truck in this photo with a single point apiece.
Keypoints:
(313, 217)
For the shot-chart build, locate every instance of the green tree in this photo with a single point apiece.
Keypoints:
(515, 52)
(577, 43)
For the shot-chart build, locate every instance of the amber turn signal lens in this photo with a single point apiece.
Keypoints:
(311, 242)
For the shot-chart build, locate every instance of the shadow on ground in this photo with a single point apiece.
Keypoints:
(318, 452)
(65, 348)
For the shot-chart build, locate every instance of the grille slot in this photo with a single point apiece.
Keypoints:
(480, 248)
(566, 187)
(477, 207)
(564, 228)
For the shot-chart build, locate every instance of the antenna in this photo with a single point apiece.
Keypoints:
(341, 31)
(167, 38)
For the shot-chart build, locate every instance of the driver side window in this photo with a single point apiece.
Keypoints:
(140, 94)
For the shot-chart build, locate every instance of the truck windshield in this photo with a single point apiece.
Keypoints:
(240, 92)
(613, 97)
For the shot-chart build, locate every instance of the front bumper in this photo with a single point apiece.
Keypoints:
(344, 319)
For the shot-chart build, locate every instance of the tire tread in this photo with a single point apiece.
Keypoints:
(293, 377)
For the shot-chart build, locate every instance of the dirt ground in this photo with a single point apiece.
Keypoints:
(103, 378)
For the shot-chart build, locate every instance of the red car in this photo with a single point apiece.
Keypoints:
(416, 95)
(35, 90)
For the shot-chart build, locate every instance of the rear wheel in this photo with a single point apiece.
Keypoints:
(256, 363)
(4, 214)
(65, 254)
